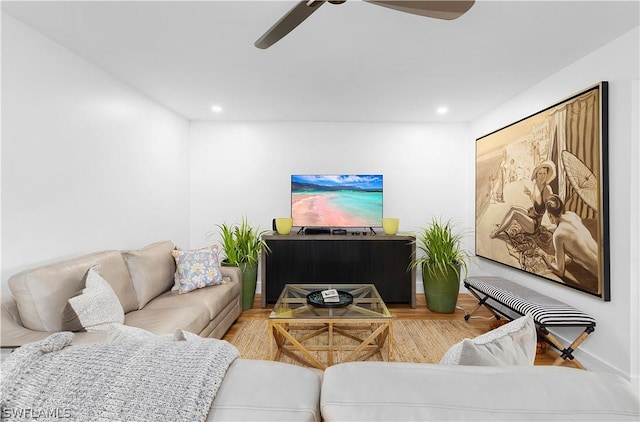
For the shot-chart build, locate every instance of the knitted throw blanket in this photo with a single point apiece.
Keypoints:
(136, 381)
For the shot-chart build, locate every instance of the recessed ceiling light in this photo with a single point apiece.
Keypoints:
(442, 110)
(216, 108)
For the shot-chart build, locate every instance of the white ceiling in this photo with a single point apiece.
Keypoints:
(349, 62)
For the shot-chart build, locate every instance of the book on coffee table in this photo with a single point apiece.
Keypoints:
(330, 296)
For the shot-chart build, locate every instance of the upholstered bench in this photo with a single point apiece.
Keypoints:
(497, 294)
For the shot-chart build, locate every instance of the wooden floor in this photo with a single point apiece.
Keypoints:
(480, 320)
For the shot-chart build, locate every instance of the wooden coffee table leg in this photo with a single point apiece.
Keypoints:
(330, 351)
(279, 341)
(387, 336)
(296, 344)
(379, 331)
(390, 341)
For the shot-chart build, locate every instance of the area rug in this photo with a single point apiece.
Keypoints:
(422, 341)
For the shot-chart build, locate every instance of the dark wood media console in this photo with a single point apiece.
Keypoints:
(379, 259)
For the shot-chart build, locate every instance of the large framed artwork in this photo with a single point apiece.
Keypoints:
(542, 193)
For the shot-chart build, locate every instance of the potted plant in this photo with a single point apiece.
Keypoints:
(242, 245)
(442, 262)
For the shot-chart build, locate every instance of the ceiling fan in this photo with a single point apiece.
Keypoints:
(448, 10)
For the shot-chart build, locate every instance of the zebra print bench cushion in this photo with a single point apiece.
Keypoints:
(544, 310)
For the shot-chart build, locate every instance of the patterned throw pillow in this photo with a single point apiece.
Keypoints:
(176, 284)
(508, 345)
(197, 268)
(96, 308)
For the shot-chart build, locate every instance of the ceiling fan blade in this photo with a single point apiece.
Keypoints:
(288, 22)
(433, 9)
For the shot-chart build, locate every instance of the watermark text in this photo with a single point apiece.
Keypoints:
(34, 413)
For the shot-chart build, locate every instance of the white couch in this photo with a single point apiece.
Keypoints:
(393, 391)
(490, 377)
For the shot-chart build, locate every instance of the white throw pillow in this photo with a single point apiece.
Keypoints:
(508, 345)
(96, 307)
(119, 333)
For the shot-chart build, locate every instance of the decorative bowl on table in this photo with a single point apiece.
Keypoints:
(316, 299)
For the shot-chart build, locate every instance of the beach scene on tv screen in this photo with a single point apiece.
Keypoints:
(336, 200)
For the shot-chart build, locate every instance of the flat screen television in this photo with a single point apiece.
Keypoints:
(336, 200)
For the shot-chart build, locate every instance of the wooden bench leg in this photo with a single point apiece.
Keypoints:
(567, 352)
(481, 302)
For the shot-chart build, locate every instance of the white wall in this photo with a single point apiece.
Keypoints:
(245, 168)
(618, 320)
(87, 163)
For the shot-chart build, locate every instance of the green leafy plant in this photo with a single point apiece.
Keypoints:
(242, 243)
(441, 248)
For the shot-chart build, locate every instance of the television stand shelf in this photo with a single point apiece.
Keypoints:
(380, 260)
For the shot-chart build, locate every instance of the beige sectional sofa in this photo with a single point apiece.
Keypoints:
(142, 279)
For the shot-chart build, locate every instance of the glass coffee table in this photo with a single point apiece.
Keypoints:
(302, 324)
